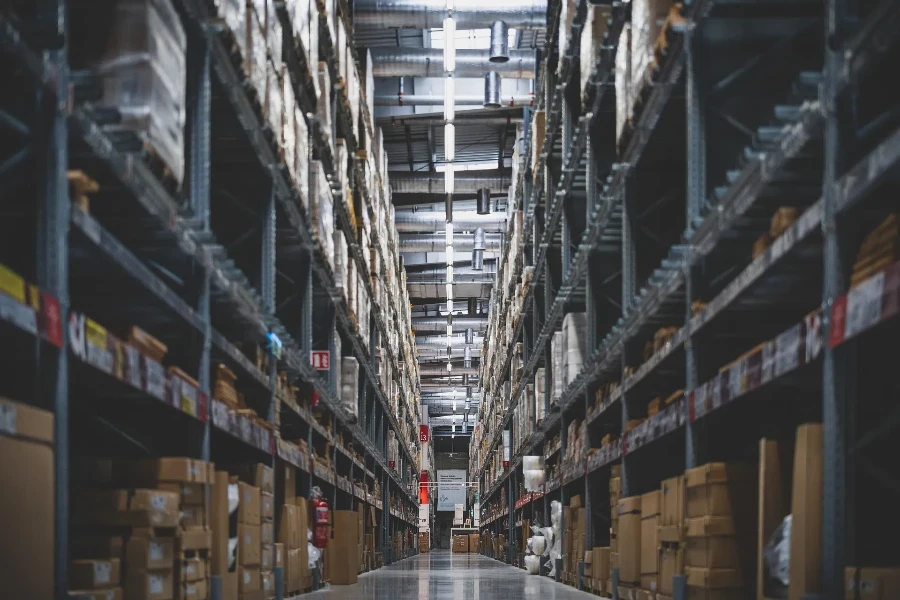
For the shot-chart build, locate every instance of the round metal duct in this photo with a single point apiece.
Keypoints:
(492, 90)
(499, 42)
(484, 201)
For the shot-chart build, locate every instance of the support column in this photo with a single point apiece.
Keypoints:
(628, 288)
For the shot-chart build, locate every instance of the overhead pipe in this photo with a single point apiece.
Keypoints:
(513, 101)
(430, 14)
(434, 222)
(478, 250)
(473, 308)
(417, 273)
(430, 242)
(442, 371)
(499, 42)
(484, 201)
(492, 90)
(437, 290)
(465, 182)
(429, 62)
(438, 324)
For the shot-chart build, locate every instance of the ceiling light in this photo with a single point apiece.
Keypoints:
(449, 142)
(450, 273)
(449, 233)
(449, 44)
(449, 291)
(448, 179)
(449, 98)
(449, 306)
(450, 255)
(449, 330)
(454, 405)
(450, 368)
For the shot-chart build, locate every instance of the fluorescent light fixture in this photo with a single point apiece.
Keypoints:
(454, 404)
(449, 142)
(449, 330)
(449, 291)
(449, 44)
(449, 233)
(450, 368)
(450, 255)
(449, 273)
(449, 306)
(449, 98)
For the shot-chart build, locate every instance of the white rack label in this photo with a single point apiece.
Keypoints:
(155, 378)
(156, 551)
(102, 572)
(18, 313)
(864, 305)
(8, 419)
(158, 502)
(155, 584)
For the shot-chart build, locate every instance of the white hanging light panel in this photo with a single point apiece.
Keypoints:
(449, 142)
(449, 44)
(449, 98)
(448, 178)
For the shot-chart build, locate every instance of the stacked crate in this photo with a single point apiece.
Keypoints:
(615, 494)
(670, 535)
(592, 37)
(880, 249)
(720, 504)
(629, 546)
(650, 519)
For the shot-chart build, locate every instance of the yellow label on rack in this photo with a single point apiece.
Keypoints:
(188, 406)
(95, 333)
(34, 296)
(12, 284)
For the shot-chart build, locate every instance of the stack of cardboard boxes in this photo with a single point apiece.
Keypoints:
(670, 535)
(150, 539)
(650, 518)
(629, 546)
(720, 504)
(600, 569)
(615, 494)
(575, 521)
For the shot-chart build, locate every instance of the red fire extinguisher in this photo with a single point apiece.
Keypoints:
(321, 521)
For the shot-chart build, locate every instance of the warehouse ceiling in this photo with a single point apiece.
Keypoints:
(410, 111)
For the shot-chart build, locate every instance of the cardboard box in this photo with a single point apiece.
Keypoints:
(600, 564)
(219, 521)
(94, 573)
(267, 533)
(195, 538)
(806, 508)
(473, 542)
(195, 590)
(671, 563)
(267, 557)
(279, 555)
(289, 528)
(630, 541)
(193, 569)
(150, 585)
(267, 506)
(249, 504)
(344, 532)
(302, 534)
(719, 489)
(288, 482)
(149, 472)
(267, 579)
(145, 551)
(712, 578)
(249, 545)
(115, 593)
(460, 544)
(249, 579)
(650, 507)
(714, 552)
(135, 508)
(193, 516)
(671, 510)
(192, 494)
(871, 583)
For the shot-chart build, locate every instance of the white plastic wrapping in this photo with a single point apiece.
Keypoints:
(350, 386)
(777, 555)
(595, 27)
(624, 101)
(532, 564)
(143, 74)
(574, 332)
(557, 354)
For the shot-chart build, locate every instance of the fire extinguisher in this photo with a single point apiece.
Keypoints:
(321, 521)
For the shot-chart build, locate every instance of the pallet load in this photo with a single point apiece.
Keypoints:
(595, 27)
(624, 96)
(720, 504)
(629, 543)
(650, 517)
(143, 78)
(648, 18)
(670, 535)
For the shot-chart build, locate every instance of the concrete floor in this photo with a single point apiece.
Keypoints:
(440, 575)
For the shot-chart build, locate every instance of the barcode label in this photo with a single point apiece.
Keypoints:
(102, 572)
(864, 305)
(8, 419)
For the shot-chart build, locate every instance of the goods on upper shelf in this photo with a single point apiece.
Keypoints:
(879, 249)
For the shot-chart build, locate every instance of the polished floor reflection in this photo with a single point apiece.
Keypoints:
(440, 575)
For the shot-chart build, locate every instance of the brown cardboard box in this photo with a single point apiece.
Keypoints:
(249, 501)
(135, 508)
(249, 546)
(718, 552)
(258, 475)
(151, 471)
(193, 569)
(193, 516)
(539, 134)
(110, 594)
(630, 541)
(650, 507)
(279, 555)
(302, 535)
(219, 521)
(291, 569)
(871, 583)
(150, 585)
(288, 476)
(473, 543)
(719, 489)
(191, 494)
(344, 532)
(267, 579)
(709, 526)
(671, 563)
(806, 508)
(94, 573)
(195, 538)
(289, 528)
(671, 510)
(712, 578)
(249, 579)
(267, 533)
(460, 544)
(195, 590)
(267, 557)
(146, 551)
(600, 564)
(267, 506)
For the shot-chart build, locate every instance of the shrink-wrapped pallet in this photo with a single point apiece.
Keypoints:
(302, 167)
(557, 353)
(595, 28)
(143, 76)
(624, 102)
(574, 332)
(647, 20)
(322, 210)
(340, 263)
(274, 105)
(566, 17)
(288, 139)
(305, 19)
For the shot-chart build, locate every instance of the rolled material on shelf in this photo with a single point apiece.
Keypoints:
(574, 327)
(557, 353)
(624, 102)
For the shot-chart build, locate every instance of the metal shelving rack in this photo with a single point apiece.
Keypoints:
(812, 150)
(156, 259)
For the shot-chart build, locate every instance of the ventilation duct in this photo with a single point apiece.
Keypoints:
(438, 324)
(470, 335)
(422, 100)
(430, 14)
(432, 222)
(478, 250)
(492, 90)
(473, 308)
(464, 182)
(429, 242)
(429, 271)
(429, 62)
(499, 42)
(484, 201)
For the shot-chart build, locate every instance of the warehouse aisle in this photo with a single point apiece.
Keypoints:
(440, 575)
